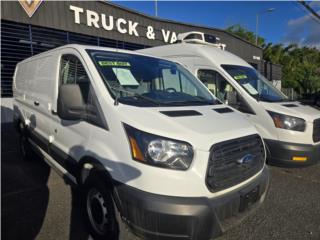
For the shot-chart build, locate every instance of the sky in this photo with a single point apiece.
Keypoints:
(288, 23)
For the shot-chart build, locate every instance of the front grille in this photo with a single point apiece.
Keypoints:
(234, 161)
(316, 130)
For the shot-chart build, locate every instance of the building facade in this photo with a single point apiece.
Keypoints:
(31, 27)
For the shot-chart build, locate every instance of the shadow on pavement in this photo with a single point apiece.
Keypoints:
(37, 203)
(77, 229)
(24, 190)
(25, 194)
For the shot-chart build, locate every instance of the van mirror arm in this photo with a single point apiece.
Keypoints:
(116, 100)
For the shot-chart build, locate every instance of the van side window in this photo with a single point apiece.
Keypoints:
(73, 72)
(215, 83)
(208, 78)
(223, 90)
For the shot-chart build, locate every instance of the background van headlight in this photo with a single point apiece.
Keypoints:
(159, 151)
(288, 122)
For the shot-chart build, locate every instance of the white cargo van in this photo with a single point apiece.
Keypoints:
(170, 163)
(291, 130)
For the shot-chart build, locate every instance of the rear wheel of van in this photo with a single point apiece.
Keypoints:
(24, 145)
(102, 216)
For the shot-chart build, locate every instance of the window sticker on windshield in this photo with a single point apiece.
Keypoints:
(125, 77)
(239, 77)
(114, 64)
(250, 89)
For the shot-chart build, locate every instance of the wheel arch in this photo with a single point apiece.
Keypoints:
(87, 165)
(90, 165)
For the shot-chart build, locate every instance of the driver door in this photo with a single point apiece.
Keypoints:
(70, 137)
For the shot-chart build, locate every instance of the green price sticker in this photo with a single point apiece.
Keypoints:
(239, 77)
(114, 64)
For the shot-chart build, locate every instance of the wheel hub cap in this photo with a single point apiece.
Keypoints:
(97, 211)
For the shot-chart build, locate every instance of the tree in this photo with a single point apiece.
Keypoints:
(243, 33)
(300, 65)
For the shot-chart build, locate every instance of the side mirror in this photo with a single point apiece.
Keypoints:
(236, 101)
(70, 102)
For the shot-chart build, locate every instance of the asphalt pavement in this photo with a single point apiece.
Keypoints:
(38, 204)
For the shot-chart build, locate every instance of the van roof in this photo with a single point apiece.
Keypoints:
(81, 47)
(213, 54)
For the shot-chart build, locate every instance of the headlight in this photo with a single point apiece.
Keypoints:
(159, 151)
(288, 122)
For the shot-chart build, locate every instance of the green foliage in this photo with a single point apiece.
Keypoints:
(300, 65)
(245, 34)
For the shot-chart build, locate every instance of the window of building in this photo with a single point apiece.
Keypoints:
(20, 41)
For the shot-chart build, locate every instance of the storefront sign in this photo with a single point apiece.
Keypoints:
(104, 22)
(123, 26)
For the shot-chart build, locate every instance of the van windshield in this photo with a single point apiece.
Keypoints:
(254, 83)
(147, 81)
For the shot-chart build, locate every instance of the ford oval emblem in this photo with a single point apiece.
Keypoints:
(248, 158)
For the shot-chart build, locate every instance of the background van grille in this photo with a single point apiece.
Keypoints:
(233, 161)
(316, 130)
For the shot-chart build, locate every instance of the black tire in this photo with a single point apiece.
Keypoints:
(24, 145)
(102, 216)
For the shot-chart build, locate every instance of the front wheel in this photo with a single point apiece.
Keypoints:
(100, 209)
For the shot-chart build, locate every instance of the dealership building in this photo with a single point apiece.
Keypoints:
(31, 27)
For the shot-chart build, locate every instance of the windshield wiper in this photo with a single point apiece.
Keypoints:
(214, 102)
(190, 102)
(116, 100)
(259, 97)
(204, 100)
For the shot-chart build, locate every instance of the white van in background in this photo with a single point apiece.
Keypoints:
(290, 129)
(169, 162)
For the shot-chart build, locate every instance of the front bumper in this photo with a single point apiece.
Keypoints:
(282, 153)
(160, 217)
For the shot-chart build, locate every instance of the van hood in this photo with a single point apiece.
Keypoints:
(296, 109)
(201, 126)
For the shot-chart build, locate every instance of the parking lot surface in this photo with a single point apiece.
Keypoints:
(38, 204)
